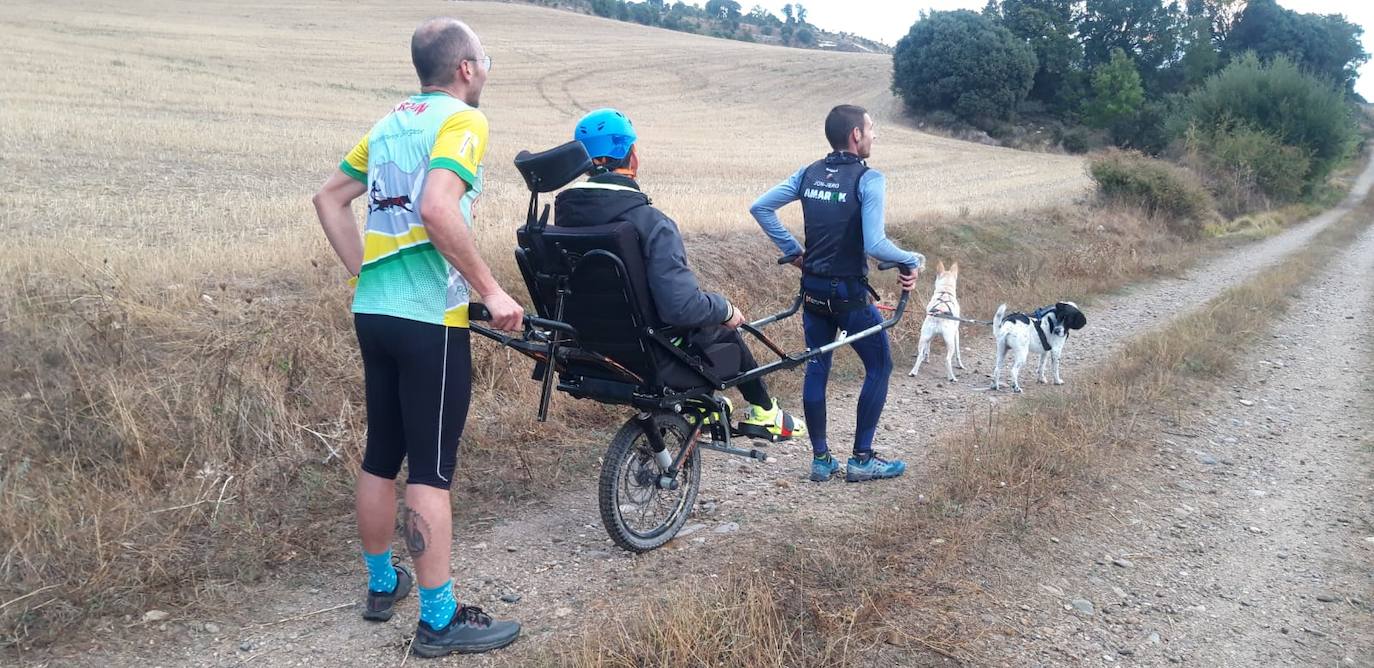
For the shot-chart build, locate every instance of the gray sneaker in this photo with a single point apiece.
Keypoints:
(380, 604)
(471, 631)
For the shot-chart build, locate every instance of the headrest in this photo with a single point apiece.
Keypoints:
(550, 170)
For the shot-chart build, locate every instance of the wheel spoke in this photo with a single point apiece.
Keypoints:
(641, 508)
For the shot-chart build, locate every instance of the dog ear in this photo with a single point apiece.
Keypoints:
(939, 267)
(954, 268)
(1071, 316)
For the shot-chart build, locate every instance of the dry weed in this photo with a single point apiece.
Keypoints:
(997, 476)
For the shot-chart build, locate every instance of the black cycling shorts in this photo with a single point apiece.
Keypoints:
(419, 382)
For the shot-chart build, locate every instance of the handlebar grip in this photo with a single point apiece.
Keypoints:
(477, 312)
(788, 259)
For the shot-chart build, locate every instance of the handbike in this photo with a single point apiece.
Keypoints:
(596, 330)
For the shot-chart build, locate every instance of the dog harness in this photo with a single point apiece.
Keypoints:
(1035, 319)
(943, 299)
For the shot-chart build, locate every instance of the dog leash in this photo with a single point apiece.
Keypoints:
(946, 316)
(942, 316)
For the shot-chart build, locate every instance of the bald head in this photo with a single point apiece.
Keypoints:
(438, 47)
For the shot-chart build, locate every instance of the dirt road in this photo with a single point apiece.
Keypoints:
(1248, 540)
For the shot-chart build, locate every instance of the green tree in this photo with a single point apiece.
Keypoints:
(727, 11)
(1049, 27)
(606, 8)
(1117, 92)
(1220, 15)
(1200, 56)
(965, 63)
(1327, 46)
(760, 16)
(1147, 30)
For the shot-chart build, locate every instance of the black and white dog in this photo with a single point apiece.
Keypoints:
(1046, 330)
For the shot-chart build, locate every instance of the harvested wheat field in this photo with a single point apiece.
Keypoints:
(211, 123)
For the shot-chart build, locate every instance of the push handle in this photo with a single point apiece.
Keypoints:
(788, 259)
(478, 312)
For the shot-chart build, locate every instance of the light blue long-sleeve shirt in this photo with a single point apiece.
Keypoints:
(872, 195)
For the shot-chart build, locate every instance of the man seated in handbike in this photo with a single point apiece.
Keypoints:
(612, 195)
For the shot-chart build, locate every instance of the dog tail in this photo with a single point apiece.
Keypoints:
(997, 319)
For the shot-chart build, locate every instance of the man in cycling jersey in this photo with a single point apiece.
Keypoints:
(414, 266)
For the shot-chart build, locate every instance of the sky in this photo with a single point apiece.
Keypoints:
(889, 20)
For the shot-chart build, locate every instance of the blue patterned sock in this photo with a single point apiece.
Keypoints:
(381, 575)
(437, 605)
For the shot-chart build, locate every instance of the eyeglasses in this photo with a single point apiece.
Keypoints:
(484, 60)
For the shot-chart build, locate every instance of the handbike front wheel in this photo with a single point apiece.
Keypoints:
(638, 513)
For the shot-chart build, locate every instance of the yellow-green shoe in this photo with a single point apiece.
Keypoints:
(707, 417)
(771, 424)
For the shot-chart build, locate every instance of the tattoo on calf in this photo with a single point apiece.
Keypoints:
(416, 529)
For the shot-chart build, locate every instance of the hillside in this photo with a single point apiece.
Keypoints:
(731, 20)
(240, 111)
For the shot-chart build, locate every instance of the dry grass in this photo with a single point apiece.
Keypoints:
(995, 478)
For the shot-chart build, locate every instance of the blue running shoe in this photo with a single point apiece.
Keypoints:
(872, 467)
(823, 470)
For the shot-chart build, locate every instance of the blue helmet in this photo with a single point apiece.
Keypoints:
(606, 133)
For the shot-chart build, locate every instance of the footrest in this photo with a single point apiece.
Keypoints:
(751, 453)
(755, 431)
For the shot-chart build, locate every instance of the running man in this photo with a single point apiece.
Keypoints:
(421, 169)
(842, 209)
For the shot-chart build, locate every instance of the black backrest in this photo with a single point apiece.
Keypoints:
(608, 300)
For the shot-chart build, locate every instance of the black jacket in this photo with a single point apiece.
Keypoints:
(677, 296)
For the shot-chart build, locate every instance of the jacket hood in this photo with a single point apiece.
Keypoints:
(596, 202)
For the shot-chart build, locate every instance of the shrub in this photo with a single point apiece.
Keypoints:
(1076, 140)
(1146, 130)
(1248, 168)
(962, 62)
(1277, 99)
(1169, 192)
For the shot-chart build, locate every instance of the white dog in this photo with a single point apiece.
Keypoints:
(1046, 330)
(943, 301)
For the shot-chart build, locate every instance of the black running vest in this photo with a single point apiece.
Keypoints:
(833, 217)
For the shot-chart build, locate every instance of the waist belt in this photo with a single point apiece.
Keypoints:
(826, 301)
